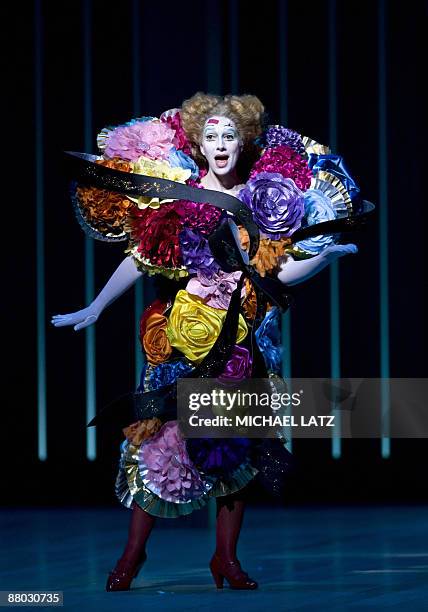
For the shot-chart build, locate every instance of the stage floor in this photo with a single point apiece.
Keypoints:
(318, 558)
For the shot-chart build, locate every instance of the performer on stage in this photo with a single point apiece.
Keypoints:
(226, 265)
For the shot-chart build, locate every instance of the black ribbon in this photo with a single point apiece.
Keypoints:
(351, 223)
(161, 402)
(84, 170)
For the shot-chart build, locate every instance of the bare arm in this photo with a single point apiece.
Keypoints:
(293, 272)
(125, 275)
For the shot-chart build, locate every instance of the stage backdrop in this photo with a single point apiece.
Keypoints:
(345, 73)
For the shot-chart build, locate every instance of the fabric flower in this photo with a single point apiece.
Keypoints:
(167, 373)
(268, 253)
(215, 290)
(196, 253)
(156, 232)
(166, 468)
(193, 327)
(159, 169)
(179, 159)
(268, 339)
(156, 306)
(249, 304)
(141, 430)
(277, 135)
(318, 209)
(173, 119)
(238, 367)
(153, 139)
(105, 210)
(285, 161)
(218, 456)
(276, 202)
(199, 216)
(155, 340)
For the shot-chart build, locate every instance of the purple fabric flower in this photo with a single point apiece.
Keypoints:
(218, 456)
(196, 253)
(276, 202)
(238, 367)
(166, 468)
(215, 289)
(279, 135)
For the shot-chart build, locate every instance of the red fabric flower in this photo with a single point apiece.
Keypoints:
(156, 231)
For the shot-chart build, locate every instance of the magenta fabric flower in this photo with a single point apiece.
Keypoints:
(238, 367)
(284, 160)
(277, 204)
(153, 139)
(215, 290)
(166, 468)
(173, 119)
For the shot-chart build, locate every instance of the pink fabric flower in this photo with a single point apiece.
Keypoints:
(153, 139)
(215, 290)
(166, 468)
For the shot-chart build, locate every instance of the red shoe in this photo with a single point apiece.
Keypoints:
(232, 571)
(123, 574)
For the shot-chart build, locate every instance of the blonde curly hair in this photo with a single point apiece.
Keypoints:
(247, 112)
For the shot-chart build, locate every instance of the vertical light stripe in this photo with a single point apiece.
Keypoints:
(234, 46)
(283, 93)
(282, 34)
(136, 106)
(383, 230)
(334, 267)
(40, 233)
(91, 447)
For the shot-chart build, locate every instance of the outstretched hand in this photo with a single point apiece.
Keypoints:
(334, 251)
(80, 319)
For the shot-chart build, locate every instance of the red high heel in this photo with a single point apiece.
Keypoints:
(123, 574)
(232, 571)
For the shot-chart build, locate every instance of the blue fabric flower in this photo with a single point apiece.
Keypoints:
(336, 166)
(178, 159)
(318, 209)
(268, 337)
(167, 373)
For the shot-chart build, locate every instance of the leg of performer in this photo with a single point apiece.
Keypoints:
(134, 555)
(230, 512)
(225, 564)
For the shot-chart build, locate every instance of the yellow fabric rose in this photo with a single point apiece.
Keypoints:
(193, 327)
(158, 169)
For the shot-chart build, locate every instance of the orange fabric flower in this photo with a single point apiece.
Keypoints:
(141, 430)
(249, 304)
(103, 209)
(155, 341)
(266, 258)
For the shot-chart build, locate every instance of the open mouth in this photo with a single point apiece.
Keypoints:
(221, 160)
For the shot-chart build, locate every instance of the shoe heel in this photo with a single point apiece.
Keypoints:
(218, 578)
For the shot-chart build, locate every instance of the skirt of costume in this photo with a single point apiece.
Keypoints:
(164, 473)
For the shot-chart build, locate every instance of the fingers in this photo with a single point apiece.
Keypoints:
(339, 250)
(346, 249)
(62, 320)
(79, 319)
(88, 321)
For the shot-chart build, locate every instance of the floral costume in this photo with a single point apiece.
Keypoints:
(293, 185)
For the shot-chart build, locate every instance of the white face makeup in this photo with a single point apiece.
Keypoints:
(221, 144)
